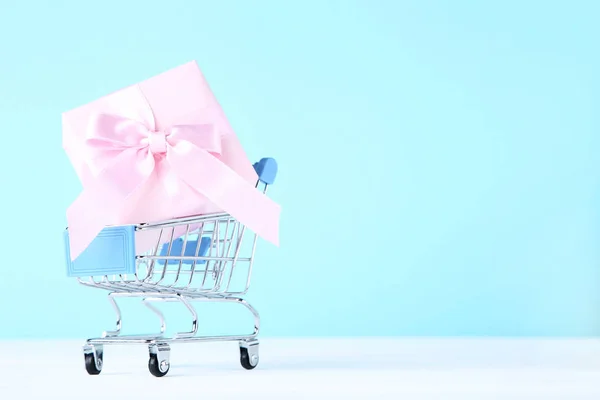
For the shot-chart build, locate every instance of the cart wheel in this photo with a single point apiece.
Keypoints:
(93, 356)
(249, 354)
(158, 364)
(155, 367)
(90, 365)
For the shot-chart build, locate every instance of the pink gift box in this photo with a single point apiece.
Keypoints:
(158, 150)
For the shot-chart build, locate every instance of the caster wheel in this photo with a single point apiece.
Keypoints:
(93, 360)
(159, 359)
(249, 355)
(157, 369)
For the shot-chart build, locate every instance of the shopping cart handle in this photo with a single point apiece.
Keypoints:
(266, 170)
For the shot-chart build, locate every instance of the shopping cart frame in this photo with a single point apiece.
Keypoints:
(150, 286)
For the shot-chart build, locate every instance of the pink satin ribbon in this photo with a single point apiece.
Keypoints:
(123, 153)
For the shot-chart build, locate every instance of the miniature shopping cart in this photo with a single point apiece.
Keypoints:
(203, 258)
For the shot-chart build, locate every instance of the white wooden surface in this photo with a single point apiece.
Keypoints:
(313, 369)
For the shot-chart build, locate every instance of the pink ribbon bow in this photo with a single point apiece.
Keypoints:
(122, 155)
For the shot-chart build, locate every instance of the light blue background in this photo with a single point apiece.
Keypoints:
(439, 161)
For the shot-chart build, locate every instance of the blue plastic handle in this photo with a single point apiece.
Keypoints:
(266, 170)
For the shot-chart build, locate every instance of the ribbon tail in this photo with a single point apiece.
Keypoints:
(226, 190)
(97, 206)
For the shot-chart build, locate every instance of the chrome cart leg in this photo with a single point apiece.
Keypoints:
(119, 324)
(117, 330)
(159, 359)
(159, 314)
(190, 308)
(254, 314)
(249, 353)
(94, 357)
